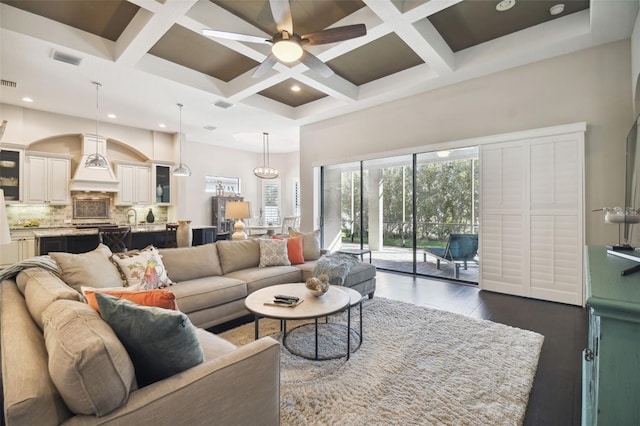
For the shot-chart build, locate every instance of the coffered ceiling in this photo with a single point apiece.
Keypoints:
(150, 55)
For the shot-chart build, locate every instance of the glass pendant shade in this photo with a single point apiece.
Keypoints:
(265, 171)
(181, 169)
(96, 161)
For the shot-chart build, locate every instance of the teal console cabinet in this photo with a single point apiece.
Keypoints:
(611, 363)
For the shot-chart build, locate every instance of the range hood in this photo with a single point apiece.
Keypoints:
(101, 180)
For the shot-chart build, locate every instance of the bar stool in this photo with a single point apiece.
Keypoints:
(170, 239)
(117, 238)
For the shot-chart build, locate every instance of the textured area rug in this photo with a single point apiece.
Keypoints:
(416, 366)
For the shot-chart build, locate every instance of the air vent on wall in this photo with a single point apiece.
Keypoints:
(8, 83)
(208, 127)
(66, 58)
(223, 104)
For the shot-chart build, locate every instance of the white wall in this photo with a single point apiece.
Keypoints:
(593, 85)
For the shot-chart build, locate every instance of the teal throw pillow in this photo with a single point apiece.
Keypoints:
(161, 342)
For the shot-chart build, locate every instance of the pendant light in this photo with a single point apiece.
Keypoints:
(96, 161)
(264, 171)
(182, 169)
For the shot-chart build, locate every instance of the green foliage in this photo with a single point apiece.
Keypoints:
(446, 196)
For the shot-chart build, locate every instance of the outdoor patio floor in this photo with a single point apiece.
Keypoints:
(400, 259)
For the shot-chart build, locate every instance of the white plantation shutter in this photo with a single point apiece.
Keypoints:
(531, 235)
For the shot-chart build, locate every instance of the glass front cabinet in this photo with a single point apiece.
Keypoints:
(162, 192)
(11, 173)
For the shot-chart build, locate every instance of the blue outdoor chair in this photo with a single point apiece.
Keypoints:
(460, 249)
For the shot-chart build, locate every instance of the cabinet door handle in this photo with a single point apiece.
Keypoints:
(588, 355)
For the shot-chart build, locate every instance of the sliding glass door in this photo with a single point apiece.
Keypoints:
(397, 207)
(388, 212)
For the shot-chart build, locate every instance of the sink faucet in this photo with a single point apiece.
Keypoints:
(135, 216)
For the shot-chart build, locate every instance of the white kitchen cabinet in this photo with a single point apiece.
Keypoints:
(47, 179)
(135, 184)
(20, 248)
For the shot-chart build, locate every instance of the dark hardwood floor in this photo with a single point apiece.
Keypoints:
(556, 395)
(555, 398)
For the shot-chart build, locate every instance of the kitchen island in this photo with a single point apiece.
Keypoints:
(72, 240)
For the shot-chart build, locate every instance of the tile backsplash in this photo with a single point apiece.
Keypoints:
(55, 216)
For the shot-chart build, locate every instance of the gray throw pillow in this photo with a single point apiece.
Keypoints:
(161, 342)
(273, 253)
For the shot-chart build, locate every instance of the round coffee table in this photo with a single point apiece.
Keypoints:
(333, 301)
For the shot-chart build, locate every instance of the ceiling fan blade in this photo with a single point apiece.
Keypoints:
(281, 12)
(316, 64)
(265, 66)
(234, 36)
(333, 35)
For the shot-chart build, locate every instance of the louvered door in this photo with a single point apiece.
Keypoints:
(531, 234)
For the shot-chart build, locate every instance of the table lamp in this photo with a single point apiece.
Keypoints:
(238, 210)
(5, 235)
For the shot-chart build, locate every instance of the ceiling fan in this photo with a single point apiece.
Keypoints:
(286, 46)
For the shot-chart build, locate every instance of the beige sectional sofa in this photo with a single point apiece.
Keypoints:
(86, 379)
(212, 280)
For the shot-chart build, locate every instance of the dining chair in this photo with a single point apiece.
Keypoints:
(170, 239)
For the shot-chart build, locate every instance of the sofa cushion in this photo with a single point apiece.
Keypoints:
(360, 272)
(161, 342)
(43, 289)
(30, 397)
(273, 253)
(310, 243)
(24, 275)
(257, 278)
(213, 346)
(142, 267)
(93, 269)
(237, 255)
(295, 250)
(157, 297)
(203, 293)
(87, 362)
(188, 263)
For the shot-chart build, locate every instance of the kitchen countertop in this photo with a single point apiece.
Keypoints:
(40, 232)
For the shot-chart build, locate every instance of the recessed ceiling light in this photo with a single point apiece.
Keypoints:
(112, 116)
(505, 5)
(162, 125)
(556, 9)
(27, 99)
(295, 88)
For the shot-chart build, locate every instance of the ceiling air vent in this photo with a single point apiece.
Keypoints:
(8, 83)
(223, 104)
(66, 58)
(209, 127)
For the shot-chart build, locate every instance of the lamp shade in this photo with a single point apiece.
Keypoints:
(238, 210)
(5, 235)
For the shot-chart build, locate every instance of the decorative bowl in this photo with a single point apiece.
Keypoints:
(317, 287)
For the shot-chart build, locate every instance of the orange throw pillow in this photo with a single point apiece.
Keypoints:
(294, 248)
(157, 297)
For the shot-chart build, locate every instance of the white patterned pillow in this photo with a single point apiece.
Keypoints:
(273, 253)
(144, 268)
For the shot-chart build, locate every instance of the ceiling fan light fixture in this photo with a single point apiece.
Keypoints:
(287, 50)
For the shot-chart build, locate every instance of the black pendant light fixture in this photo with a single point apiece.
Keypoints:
(182, 169)
(96, 161)
(265, 171)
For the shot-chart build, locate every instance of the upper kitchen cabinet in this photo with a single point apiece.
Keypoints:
(10, 173)
(47, 179)
(135, 184)
(162, 184)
